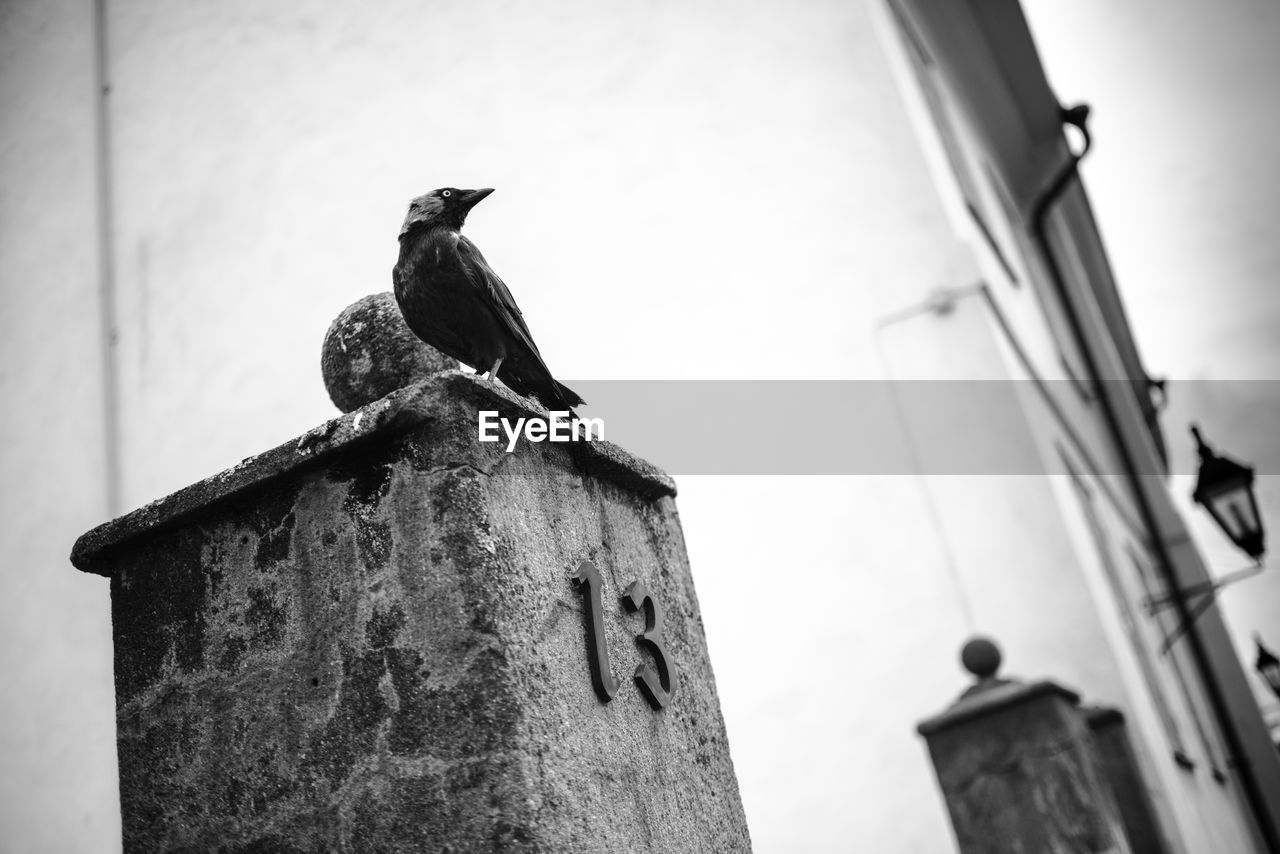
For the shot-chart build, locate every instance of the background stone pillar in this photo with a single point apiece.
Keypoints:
(1119, 766)
(370, 639)
(1017, 767)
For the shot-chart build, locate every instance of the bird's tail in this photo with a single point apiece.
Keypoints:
(567, 396)
(557, 395)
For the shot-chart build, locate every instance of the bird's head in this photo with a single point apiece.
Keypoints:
(444, 207)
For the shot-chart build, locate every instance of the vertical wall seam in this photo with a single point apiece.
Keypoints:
(108, 325)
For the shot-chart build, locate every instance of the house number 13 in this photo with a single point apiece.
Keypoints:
(656, 683)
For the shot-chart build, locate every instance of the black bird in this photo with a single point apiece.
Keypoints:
(451, 298)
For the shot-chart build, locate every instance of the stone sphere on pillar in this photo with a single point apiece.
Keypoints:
(981, 657)
(369, 352)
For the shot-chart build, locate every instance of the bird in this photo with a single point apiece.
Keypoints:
(451, 299)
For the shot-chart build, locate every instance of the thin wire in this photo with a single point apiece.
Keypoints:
(931, 306)
(108, 326)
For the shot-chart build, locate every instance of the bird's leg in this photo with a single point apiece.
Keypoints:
(492, 373)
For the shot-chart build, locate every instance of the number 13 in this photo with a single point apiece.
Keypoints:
(657, 684)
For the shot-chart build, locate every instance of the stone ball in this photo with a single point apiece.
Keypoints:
(981, 657)
(369, 352)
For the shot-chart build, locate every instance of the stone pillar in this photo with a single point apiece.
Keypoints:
(1119, 766)
(383, 637)
(1017, 767)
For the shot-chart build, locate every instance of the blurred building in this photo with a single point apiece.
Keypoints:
(1043, 309)
(686, 189)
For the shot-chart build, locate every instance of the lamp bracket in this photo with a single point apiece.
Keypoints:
(1207, 590)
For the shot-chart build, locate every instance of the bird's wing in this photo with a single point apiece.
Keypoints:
(524, 373)
(500, 299)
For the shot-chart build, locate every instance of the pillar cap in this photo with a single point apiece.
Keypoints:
(1098, 716)
(993, 700)
(412, 407)
(989, 694)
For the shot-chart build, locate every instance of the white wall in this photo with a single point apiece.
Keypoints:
(684, 190)
(1207, 815)
(57, 721)
(1183, 178)
(658, 170)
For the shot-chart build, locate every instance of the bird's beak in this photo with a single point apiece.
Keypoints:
(468, 199)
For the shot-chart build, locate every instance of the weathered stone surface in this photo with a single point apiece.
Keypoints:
(369, 352)
(368, 640)
(1017, 768)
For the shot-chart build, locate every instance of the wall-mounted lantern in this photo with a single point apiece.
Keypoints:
(1225, 489)
(1268, 666)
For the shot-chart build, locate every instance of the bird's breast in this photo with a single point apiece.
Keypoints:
(442, 305)
(431, 261)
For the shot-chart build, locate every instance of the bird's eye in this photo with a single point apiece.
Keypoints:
(447, 193)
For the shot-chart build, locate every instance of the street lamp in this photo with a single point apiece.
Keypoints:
(1268, 666)
(1225, 489)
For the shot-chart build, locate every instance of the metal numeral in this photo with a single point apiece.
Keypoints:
(588, 579)
(656, 683)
